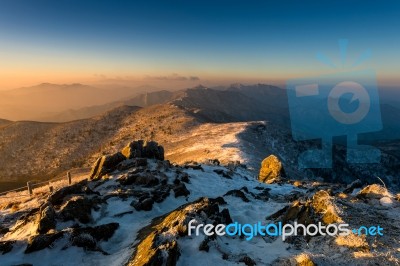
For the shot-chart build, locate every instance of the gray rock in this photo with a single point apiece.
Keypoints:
(40, 242)
(6, 246)
(144, 205)
(79, 209)
(133, 149)
(181, 190)
(106, 164)
(46, 219)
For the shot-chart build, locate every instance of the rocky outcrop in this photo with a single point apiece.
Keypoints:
(40, 242)
(373, 191)
(271, 170)
(80, 188)
(145, 179)
(319, 208)
(79, 208)
(106, 164)
(86, 237)
(145, 204)
(134, 150)
(181, 190)
(130, 156)
(323, 205)
(158, 242)
(141, 149)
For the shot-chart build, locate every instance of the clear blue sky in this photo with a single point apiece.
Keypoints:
(68, 41)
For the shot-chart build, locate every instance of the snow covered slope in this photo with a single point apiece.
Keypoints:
(138, 215)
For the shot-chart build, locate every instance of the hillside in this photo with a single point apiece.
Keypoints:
(196, 124)
(39, 150)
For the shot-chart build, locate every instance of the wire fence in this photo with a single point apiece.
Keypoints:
(65, 179)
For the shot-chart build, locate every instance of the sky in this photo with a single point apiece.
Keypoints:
(192, 42)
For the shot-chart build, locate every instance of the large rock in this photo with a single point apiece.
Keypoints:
(99, 233)
(40, 242)
(79, 209)
(141, 149)
(6, 246)
(145, 179)
(271, 170)
(322, 204)
(152, 150)
(106, 164)
(46, 219)
(133, 149)
(157, 243)
(373, 191)
(319, 208)
(80, 188)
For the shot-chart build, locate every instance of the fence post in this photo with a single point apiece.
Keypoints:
(29, 185)
(69, 178)
(50, 187)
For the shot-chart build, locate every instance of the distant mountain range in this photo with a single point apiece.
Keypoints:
(46, 100)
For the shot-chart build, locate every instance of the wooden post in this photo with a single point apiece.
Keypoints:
(69, 178)
(30, 189)
(51, 189)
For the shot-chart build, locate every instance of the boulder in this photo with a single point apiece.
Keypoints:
(138, 150)
(130, 163)
(181, 190)
(152, 150)
(79, 209)
(237, 193)
(6, 246)
(58, 196)
(319, 208)
(88, 237)
(40, 242)
(144, 179)
(247, 261)
(271, 170)
(85, 241)
(133, 149)
(99, 233)
(46, 219)
(141, 149)
(106, 164)
(161, 193)
(157, 242)
(322, 204)
(143, 205)
(373, 191)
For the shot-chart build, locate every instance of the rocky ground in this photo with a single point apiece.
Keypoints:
(135, 209)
